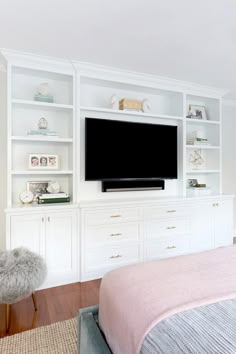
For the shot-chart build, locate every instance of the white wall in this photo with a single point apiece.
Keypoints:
(229, 152)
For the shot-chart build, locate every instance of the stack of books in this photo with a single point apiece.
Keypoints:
(198, 141)
(43, 98)
(43, 132)
(47, 198)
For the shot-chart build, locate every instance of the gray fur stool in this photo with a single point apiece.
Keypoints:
(21, 272)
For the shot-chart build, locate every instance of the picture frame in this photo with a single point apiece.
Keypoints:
(37, 187)
(199, 111)
(43, 162)
(192, 182)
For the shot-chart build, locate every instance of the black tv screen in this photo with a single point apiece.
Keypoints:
(120, 150)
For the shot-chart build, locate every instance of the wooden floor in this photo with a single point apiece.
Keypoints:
(54, 304)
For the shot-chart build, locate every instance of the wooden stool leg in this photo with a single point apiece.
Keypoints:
(34, 301)
(8, 310)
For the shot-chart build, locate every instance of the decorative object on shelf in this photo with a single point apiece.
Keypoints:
(26, 197)
(43, 93)
(192, 182)
(130, 105)
(197, 112)
(146, 105)
(53, 187)
(43, 162)
(43, 129)
(114, 100)
(196, 159)
(37, 187)
(198, 137)
(43, 123)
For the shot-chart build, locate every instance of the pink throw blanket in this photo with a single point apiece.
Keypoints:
(135, 298)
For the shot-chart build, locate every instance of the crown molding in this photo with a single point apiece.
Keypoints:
(33, 61)
(136, 78)
(94, 71)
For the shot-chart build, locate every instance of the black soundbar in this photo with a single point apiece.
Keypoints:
(135, 185)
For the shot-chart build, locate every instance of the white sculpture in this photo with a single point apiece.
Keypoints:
(43, 89)
(114, 102)
(146, 105)
(43, 123)
(196, 159)
(53, 187)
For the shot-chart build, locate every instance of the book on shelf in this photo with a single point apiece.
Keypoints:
(43, 132)
(53, 195)
(53, 200)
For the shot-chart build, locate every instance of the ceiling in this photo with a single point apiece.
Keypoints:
(191, 40)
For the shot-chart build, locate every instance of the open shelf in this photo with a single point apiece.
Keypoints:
(202, 171)
(201, 121)
(210, 147)
(41, 104)
(43, 139)
(42, 172)
(129, 113)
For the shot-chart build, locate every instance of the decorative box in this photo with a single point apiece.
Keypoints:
(127, 103)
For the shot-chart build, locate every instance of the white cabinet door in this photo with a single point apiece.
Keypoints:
(61, 243)
(202, 228)
(223, 223)
(27, 231)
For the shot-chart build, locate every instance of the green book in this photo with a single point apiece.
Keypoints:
(53, 200)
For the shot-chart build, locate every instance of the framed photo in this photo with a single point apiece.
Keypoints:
(37, 187)
(198, 112)
(192, 182)
(43, 162)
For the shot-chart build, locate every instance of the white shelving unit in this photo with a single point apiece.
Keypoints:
(210, 172)
(24, 114)
(82, 90)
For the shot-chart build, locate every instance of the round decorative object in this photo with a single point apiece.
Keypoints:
(43, 123)
(114, 102)
(53, 187)
(26, 197)
(146, 106)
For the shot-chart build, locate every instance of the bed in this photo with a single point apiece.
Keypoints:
(178, 305)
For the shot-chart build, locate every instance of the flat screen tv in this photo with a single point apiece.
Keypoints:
(121, 150)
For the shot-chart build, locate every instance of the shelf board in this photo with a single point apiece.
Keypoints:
(42, 104)
(41, 138)
(42, 172)
(129, 113)
(202, 171)
(201, 121)
(210, 147)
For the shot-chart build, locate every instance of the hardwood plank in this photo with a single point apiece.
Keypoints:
(54, 304)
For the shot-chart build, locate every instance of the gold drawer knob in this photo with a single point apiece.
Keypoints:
(118, 256)
(171, 211)
(170, 247)
(171, 227)
(115, 235)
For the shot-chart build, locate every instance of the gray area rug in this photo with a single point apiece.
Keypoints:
(57, 338)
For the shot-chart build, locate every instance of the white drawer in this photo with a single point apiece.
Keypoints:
(169, 226)
(110, 257)
(166, 211)
(113, 233)
(109, 216)
(171, 246)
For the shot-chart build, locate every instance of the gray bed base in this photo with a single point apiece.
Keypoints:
(91, 339)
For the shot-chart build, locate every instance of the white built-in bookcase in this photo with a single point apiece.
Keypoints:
(23, 114)
(82, 90)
